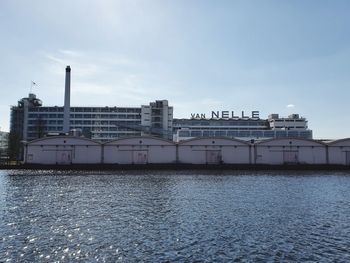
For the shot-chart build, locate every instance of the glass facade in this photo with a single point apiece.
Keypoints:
(100, 123)
(238, 128)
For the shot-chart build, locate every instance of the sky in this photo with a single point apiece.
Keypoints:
(272, 56)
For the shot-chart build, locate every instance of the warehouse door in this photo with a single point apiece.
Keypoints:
(347, 154)
(213, 157)
(140, 157)
(290, 157)
(63, 157)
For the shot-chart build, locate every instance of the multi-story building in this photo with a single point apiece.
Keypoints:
(158, 116)
(245, 128)
(31, 120)
(292, 122)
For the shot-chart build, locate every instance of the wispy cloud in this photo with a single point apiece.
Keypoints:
(91, 89)
(290, 106)
(79, 62)
(112, 79)
(71, 53)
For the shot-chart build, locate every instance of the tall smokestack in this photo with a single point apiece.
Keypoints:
(66, 115)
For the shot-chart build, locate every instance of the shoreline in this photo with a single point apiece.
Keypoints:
(252, 167)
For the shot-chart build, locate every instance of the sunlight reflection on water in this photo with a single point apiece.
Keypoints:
(151, 216)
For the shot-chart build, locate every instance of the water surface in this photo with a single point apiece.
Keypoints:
(169, 216)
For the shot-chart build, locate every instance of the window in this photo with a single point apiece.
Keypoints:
(208, 133)
(184, 134)
(293, 134)
(220, 133)
(196, 133)
(243, 134)
(257, 133)
(281, 134)
(232, 133)
(269, 134)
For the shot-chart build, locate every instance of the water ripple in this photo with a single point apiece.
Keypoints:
(203, 216)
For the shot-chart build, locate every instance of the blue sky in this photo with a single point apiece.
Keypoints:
(273, 56)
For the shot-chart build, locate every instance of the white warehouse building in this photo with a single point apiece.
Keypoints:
(339, 152)
(63, 150)
(139, 150)
(290, 151)
(214, 151)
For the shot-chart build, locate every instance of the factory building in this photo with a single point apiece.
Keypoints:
(242, 127)
(30, 120)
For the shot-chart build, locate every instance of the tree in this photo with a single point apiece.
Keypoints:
(14, 147)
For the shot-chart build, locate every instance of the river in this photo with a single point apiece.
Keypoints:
(174, 216)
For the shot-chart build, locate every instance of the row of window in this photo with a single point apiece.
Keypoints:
(106, 109)
(257, 134)
(291, 127)
(45, 129)
(41, 116)
(293, 120)
(288, 120)
(106, 116)
(46, 109)
(86, 109)
(111, 123)
(219, 123)
(97, 129)
(85, 116)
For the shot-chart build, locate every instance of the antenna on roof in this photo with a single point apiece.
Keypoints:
(32, 84)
